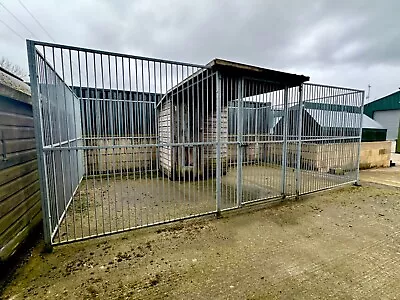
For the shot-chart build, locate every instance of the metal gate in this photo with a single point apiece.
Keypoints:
(126, 141)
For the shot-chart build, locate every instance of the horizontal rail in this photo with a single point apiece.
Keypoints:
(57, 148)
(331, 86)
(63, 143)
(117, 100)
(103, 52)
(130, 146)
(166, 222)
(334, 96)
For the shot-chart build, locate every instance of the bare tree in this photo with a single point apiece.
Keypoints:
(13, 68)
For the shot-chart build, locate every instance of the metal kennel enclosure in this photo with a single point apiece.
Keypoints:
(125, 141)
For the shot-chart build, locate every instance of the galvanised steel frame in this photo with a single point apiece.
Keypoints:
(127, 141)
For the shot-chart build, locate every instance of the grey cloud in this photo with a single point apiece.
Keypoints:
(328, 40)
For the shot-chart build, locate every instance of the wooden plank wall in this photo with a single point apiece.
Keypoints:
(210, 135)
(20, 209)
(165, 136)
(109, 160)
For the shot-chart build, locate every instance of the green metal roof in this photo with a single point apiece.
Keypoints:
(389, 102)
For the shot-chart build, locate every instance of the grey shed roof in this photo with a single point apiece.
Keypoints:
(342, 119)
(367, 122)
(334, 119)
(13, 87)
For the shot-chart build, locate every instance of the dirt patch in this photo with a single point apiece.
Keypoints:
(337, 244)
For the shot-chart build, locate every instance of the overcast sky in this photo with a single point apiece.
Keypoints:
(346, 43)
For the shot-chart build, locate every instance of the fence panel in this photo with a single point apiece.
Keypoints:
(126, 142)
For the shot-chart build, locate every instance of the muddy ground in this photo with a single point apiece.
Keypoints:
(341, 244)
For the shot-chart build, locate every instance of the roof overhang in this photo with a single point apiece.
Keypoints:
(275, 80)
(242, 70)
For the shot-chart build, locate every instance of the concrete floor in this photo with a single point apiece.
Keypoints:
(338, 244)
(387, 176)
(107, 204)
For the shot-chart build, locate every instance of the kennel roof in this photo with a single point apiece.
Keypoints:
(275, 80)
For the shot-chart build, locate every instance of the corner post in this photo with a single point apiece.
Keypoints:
(284, 146)
(239, 148)
(218, 150)
(41, 159)
(357, 183)
(299, 133)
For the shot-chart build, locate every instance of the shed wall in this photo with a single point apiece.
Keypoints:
(389, 119)
(20, 209)
(210, 135)
(165, 136)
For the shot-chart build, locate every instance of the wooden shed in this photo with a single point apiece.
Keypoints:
(187, 114)
(20, 210)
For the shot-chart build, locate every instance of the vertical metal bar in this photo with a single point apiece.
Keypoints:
(128, 130)
(74, 151)
(79, 108)
(154, 137)
(160, 148)
(112, 127)
(359, 140)
(60, 127)
(51, 122)
(284, 146)
(38, 123)
(83, 122)
(299, 133)
(218, 160)
(239, 148)
(143, 104)
(98, 120)
(137, 132)
(132, 127)
(106, 133)
(119, 119)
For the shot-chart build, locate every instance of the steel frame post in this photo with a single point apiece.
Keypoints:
(218, 150)
(299, 133)
(357, 183)
(284, 146)
(239, 149)
(38, 124)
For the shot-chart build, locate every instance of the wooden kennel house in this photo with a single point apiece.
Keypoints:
(192, 116)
